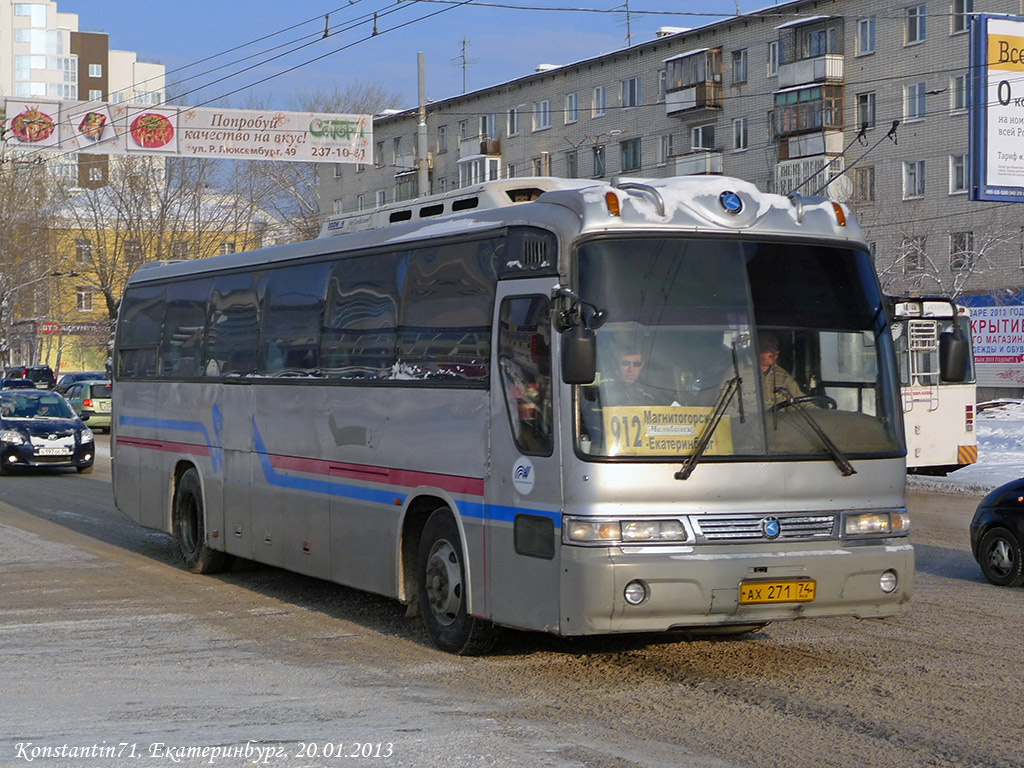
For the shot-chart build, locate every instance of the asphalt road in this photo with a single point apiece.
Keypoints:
(111, 655)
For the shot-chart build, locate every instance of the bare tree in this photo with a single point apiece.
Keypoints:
(26, 266)
(291, 191)
(948, 261)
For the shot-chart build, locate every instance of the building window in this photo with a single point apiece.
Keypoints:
(512, 122)
(865, 37)
(572, 108)
(665, 148)
(913, 101)
(958, 93)
(702, 137)
(132, 252)
(83, 299)
(396, 149)
(913, 179)
(226, 247)
(599, 163)
(631, 92)
(95, 70)
(913, 250)
(337, 206)
(962, 10)
(865, 110)
(739, 134)
(807, 109)
(441, 187)
(360, 202)
(864, 184)
(83, 250)
(538, 166)
(597, 106)
(739, 66)
(630, 155)
(774, 55)
(96, 173)
(915, 25)
(463, 130)
(380, 197)
(957, 174)
(489, 126)
(179, 250)
(961, 251)
(542, 115)
(95, 94)
(662, 85)
(405, 187)
(442, 139)
(511, 169)
(572, 164)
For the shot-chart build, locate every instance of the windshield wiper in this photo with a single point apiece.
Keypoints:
(837, 455)
(725, 396)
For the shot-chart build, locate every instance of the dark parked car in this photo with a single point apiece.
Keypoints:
(39, 429)
(67, 379)
(42, 375)
(997, 531)
(17, 384)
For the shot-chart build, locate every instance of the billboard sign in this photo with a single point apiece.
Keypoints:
(997, 328)
(101, 128)
(997, 108)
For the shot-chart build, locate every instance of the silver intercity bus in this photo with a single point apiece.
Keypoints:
(557, 405)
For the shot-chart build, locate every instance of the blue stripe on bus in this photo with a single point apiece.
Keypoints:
(177, 425)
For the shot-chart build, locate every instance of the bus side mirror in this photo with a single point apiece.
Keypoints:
(954, 356)
(579, 355)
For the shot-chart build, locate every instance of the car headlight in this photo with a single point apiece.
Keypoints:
(888, 523)
(593, 531)
(12, 436)
(86, 436)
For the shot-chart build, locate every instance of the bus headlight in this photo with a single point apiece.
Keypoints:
(591, 531)
(584, 530)
(652, 530)
(885, 523)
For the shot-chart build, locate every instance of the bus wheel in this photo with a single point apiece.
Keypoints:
(190, 527)
(441, 576)
(999, 556)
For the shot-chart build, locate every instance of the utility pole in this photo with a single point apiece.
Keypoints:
(422, 165)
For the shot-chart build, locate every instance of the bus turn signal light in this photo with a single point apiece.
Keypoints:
(840, 215)
(612, 201)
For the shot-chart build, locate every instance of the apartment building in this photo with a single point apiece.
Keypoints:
(787, 98)
(44, 55)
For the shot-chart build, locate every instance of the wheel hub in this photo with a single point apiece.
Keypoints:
(444, 583)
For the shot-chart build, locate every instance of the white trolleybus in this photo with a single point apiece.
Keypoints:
(938, 391)
(537, 404)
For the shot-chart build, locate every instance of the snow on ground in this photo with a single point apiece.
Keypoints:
(1000, 453)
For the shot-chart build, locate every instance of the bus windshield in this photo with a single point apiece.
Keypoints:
(784, 340)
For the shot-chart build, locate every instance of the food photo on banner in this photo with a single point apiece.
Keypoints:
(112, 129)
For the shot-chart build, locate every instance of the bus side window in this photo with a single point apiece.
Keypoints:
(524, 360)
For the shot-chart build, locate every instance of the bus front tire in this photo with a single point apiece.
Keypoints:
(441, 577)
(190, 527)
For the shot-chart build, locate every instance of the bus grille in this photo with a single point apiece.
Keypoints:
(792, 526)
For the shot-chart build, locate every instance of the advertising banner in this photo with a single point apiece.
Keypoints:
(114, 129)
(997, 109)
(998, 334)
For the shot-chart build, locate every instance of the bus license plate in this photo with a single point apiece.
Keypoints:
(794, 591)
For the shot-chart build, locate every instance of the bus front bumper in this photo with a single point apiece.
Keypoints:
(689, 587)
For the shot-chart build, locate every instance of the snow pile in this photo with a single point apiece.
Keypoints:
(1000, 453)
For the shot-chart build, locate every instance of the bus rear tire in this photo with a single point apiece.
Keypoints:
(190, 527)
(441, 577)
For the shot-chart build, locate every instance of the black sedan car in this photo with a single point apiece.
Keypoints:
(997, 531)
(39, 429)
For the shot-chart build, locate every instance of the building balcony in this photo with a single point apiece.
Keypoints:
(821, 69)
(810, 144)
(479, 145)
(705, 95)
(701, 161)
(791, 174)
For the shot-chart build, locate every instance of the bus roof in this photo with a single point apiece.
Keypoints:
(713, 205)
